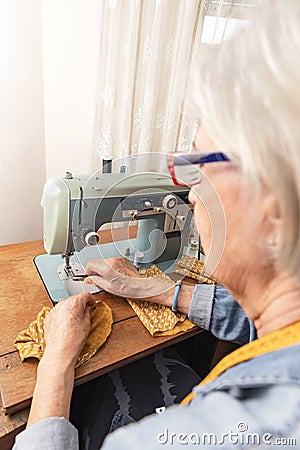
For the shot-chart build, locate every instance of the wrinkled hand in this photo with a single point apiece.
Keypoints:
(67, 327)
(119, 277)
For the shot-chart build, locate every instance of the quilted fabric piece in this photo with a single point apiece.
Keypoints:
(31, 342)
(159, 320)
(193, 268)
(101, 324)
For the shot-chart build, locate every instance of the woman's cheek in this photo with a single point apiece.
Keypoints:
(192, 197)
(202, 221)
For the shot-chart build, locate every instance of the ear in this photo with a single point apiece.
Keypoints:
(271, 216)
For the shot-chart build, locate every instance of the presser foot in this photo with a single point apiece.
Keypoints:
(66, 274)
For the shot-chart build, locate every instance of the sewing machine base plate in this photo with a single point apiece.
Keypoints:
(58, 281)
(59, 285)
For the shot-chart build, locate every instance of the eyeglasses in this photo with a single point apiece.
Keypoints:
(185, 169)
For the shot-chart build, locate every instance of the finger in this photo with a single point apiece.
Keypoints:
(80, 303)
(98, 281)
(86, 299)
(93, 279)
(91, 301)
(97, 266)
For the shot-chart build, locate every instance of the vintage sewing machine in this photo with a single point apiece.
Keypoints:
(143, 217)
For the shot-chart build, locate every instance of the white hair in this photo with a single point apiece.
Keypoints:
(247, 90)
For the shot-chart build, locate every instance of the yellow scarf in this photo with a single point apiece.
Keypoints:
(273, 341)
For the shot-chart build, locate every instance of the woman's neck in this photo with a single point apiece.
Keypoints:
(279, 305)
(272, 305)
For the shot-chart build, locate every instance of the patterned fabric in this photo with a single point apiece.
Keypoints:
(159, 320)
(31, 342)
(100, 329)
(193, 268)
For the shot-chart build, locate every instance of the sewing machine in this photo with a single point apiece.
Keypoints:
(79, 211)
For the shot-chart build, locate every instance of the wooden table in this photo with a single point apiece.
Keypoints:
(22, 295)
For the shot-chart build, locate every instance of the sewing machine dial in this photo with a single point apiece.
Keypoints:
(170, 201)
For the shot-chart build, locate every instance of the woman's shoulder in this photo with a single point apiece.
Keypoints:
(278, 367)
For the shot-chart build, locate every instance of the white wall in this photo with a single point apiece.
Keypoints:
(48, 60)
(22, 157)
(71, 30)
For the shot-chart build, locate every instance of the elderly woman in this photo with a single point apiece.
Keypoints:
(247, 93)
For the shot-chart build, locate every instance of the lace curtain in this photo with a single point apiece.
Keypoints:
(146, 47)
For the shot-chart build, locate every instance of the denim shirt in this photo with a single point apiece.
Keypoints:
(255, 403)
(213, 308)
